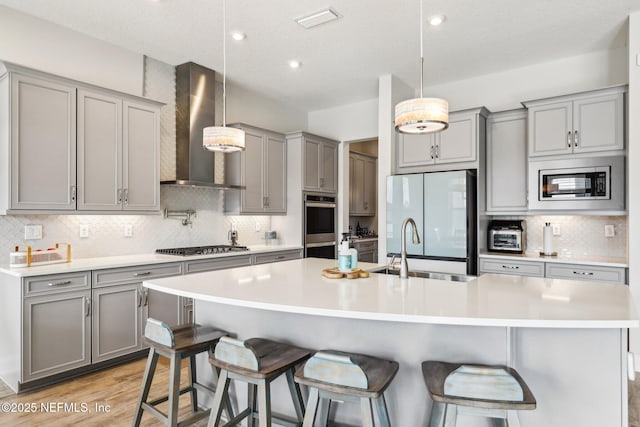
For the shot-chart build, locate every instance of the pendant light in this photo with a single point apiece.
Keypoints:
(223, 138)
(422, 115)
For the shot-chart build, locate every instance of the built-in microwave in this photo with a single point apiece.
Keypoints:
(594, 183)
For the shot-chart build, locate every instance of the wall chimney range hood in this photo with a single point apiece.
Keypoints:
(195, 110)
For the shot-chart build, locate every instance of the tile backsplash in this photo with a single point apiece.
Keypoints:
(579, 235)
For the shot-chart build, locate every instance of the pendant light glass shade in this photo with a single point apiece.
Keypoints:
(422, 115)
(222, 138)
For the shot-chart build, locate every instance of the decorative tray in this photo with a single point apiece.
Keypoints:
(29, 257)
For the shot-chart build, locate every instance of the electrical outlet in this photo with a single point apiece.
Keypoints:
(84, 231)
(257, 226)
(128, 230)
(609, 230)
(33, 232)
(556, 229)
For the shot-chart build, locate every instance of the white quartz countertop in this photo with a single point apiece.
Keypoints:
(561, 258)
(297, 286)
(99, 263)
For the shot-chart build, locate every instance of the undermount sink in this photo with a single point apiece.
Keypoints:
(428, 275)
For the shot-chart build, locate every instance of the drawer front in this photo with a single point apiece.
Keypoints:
(521, 268)
(364, 246)
(199, 265)
(55, 283)
(117, 276)
(586, 272)
(278, 256)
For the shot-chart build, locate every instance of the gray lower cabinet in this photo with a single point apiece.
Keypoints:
(117, 321)
(521, 268)
(165, 307)
(209, 264)
(266, 258)
(367, 250)
(507, 161)
(586, 272)
(56, 324)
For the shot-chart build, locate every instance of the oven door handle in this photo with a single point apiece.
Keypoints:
(320, 245)
(320, 205)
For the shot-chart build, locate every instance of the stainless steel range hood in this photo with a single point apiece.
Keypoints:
(195, 110)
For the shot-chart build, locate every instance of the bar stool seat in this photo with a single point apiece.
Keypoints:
(177, 343)
(494, 391)
(336, 375)
(257, 362)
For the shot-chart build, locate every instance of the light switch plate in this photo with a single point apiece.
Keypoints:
(84, 230)
(33, 232)
(556, 229)
(609, 230)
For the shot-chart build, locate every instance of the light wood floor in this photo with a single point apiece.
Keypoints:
(118, 387)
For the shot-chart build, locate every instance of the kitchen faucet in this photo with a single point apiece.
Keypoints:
(404, 266)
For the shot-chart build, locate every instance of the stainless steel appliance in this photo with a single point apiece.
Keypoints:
(202, 250)
(507, 236)
(444, 207)
(319, 226)
(584, 183)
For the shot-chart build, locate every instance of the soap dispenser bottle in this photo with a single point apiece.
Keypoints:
(344, 254)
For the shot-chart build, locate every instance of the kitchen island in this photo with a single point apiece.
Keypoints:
(568, 339)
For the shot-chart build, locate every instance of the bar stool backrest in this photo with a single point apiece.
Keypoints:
(336, 368)
(238, 353)
(159, 332)
(480, 382)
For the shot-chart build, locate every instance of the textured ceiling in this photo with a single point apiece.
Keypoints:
(342, 60)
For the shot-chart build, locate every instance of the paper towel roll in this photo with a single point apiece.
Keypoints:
(547, 235)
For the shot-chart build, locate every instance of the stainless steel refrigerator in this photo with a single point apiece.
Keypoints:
(444, 207)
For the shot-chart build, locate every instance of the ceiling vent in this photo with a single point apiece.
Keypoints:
(318, 18)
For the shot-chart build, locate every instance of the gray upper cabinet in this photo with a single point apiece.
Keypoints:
(59, 129)
(38, 144)
(507, 161)
(319, 162)
(262, 170)
(118, 153)
(582, 123)
(363, 185)
(458, 144)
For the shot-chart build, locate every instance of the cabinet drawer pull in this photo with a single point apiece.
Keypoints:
(145, 273)
(583, 273)
(569, 139)
(66, 282)
(511, 267)
(575, 138)
(280, 257)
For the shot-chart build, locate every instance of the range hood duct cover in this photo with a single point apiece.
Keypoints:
(195, 110)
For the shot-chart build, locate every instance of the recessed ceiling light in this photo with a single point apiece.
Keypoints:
(437, 20)
(238, 36)
(295, 64)
(318, 18)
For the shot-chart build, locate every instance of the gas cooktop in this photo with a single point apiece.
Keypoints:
(202, 250)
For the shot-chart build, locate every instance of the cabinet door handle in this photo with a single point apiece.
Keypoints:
(575, 138)
(321, 182)
(66, 282)
(437, 151)
(431, 151)
(146, 297)
(144, 273)
(511, 267)
(87, 306)
(569, 139)
(73, 193)
(583, 273)
(267, 198)
(119, 195)
(139, 297)
(126, 196)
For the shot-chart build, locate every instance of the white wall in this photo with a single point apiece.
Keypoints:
(633, 144)
(39, 44)
(352, 122)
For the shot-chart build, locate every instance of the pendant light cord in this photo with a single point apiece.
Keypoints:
(421, 50)
(224, 63)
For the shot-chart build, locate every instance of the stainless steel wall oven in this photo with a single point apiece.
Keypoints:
(319, 226)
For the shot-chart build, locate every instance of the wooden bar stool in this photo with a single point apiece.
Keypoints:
(347, 377)
(256, 362)
(489, 391)
(176, 344)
